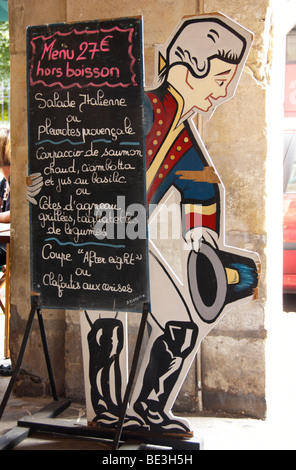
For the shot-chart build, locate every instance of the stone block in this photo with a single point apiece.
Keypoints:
(23, 13)
(159, 17)
(234, 368)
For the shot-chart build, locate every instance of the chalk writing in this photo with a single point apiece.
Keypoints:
(71, 58)
(85, 87)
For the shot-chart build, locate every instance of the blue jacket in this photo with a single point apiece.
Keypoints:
(174, 158)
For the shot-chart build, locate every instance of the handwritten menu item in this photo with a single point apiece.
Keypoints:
(87, 165)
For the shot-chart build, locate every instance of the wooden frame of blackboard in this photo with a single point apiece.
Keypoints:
(129, 255)
(133, 79)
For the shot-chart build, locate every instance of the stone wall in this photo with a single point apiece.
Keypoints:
(232, 358)
(235, 349)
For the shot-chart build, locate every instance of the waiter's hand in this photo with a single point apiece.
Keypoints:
(198, 235)
(34, 186)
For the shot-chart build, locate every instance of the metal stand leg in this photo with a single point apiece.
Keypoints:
(14, 376)
(46, 354)
(131, 377)
(20, 357)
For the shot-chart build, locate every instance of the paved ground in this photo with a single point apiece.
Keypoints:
(216, 433)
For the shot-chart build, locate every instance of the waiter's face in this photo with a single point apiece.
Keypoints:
(203, 92)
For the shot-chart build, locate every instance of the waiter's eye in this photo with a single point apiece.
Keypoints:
(220, 82)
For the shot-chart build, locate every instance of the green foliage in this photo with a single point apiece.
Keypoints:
(4, 51)
(4, 71)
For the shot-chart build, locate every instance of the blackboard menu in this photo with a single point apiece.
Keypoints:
(86, 184)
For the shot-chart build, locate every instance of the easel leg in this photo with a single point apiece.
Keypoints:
(131, 377)
(7, 394)
(46, 354)
(20, 357)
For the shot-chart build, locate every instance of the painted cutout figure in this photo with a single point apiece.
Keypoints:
(199, 69)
